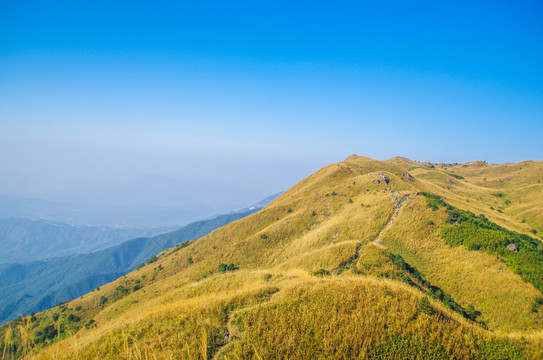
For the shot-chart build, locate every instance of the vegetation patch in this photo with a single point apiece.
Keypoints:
(321, 272)
(435, 292)
(224, 268)
(455, 176)
(476, 232)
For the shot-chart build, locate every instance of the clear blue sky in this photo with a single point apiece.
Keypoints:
(96, 92)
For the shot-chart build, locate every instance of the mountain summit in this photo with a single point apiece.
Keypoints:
(362, 259)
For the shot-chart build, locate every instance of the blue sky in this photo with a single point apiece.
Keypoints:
(257, 95)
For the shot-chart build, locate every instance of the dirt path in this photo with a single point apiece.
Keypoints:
(233, 331)
(378, 238)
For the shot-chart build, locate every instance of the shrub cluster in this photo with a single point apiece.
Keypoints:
(225, 268)
(435, 292)
(476, 232)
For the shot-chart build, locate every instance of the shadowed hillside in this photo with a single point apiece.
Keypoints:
(363, 259)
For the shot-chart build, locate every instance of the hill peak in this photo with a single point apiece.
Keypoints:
(357, 157)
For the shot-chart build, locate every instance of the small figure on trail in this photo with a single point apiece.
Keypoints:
(226, 336)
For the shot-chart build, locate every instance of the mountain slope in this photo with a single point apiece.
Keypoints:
(355, 261)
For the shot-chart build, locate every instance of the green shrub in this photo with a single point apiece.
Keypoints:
(49, 332)
(152, 259)
(424, 306)
(90, 324)
(119, 293)
(321, 272)
(73, 318)
(470, 313)
(455, 176)
(399, 261)
(224, 268)
(103, 300)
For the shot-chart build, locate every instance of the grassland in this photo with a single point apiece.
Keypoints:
(374, 261)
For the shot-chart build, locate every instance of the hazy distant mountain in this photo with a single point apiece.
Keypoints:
(24, 240)
(101, 214)
(39, 285)
(142, 202)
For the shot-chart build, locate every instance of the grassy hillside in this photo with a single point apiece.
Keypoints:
(352, 262)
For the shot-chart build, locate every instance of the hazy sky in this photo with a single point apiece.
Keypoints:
(255, 95)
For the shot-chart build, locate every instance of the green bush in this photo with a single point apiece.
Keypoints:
(399, 261)
(455, 176)
(103, 300)
(49, 332)
(224, 268)
(424, 306)
(73, 318)
(470, 312)
(321, 272)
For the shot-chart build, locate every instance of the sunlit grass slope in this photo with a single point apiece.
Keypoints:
(333, 268)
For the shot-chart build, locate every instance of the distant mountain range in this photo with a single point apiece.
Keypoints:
(39, 285)
(23, 240)
(152, 201)
(103, 215)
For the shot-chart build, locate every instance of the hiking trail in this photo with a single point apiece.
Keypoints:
(233, 331)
